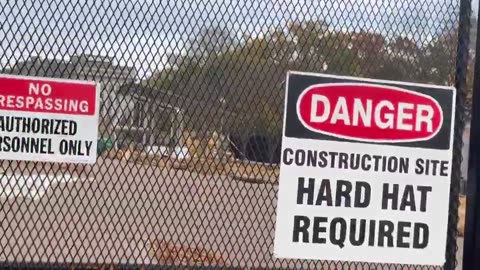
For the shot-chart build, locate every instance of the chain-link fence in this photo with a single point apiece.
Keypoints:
(191, 118)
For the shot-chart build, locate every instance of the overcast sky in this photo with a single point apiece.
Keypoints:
(475, 7)
(142, 33)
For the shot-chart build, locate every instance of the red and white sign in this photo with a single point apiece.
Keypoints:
(365, 170)
(46, 119)
(369, 112)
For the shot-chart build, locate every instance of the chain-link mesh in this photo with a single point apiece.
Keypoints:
(191, 117)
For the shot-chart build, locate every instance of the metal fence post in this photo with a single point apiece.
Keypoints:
(471, 260)
(461, 85)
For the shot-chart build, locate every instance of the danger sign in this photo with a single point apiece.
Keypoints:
(365, 170)
(43, 119)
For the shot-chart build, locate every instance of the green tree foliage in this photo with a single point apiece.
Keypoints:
(238, 86)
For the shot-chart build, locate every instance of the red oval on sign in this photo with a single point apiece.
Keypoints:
(368, 112)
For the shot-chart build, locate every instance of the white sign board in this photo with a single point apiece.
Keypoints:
(365, 170)
(51, 120)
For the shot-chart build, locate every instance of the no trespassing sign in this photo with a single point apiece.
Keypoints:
(45, 119)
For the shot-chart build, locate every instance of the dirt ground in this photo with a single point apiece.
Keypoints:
(118, 213)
